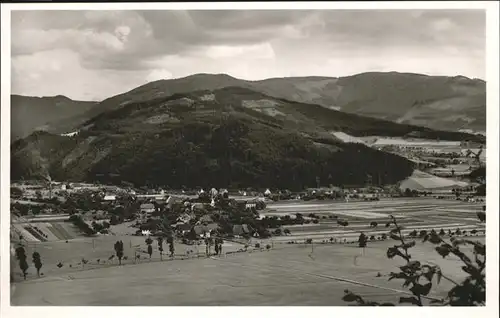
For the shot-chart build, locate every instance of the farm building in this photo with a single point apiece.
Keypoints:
(241, 229)
(202, 230)
(109, 197)
(421, 181)
(146, 210)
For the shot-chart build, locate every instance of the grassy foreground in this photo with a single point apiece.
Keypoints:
(286, 275)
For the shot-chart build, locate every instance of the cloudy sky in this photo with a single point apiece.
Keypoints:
(92, 55)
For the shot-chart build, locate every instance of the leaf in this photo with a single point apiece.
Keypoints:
(427, 288)
(350, 297)
(429, 275)
(458, 242)
(435, 239)
(418, 289)
(409, 300)
(393, 251)
(413, 265)
(395, 237)
(408, 244)
(393, 275)
(480, 249)
(443, 250)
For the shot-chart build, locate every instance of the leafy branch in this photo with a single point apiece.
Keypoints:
(418, 277)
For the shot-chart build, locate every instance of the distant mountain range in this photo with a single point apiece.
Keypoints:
(41, 113)
(231, 136)
(215, 130)
(438, 102)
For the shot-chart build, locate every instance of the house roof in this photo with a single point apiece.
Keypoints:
(200, 229)
(173, 199)
(147, 206)
(240, 229)
(183, 226)
(206, 218)
(212, 226)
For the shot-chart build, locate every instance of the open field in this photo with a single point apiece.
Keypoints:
(413, 214)
(287, 275)
(101, 248)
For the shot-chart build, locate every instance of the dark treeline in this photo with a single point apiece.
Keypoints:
(234, 153)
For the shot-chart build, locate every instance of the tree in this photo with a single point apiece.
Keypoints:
(16, 192)
(373, 224)
(422, 233)
(481, 215)
(150, 251)
(268, 247)
(342, 223)
(149, 241)
(470, 292)
(362, 240)
(21, 257)
(286, 231)
(114, 220)
(171, 248)
(119, 251)
(38, 262)
(441, 232)
(160, 247)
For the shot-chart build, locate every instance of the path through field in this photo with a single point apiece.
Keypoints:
(288, 274)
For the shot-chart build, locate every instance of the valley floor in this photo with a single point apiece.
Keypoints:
(288, 274)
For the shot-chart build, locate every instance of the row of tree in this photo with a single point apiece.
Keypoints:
(23, 263)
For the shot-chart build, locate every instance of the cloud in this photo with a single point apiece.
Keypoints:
(258, 51)
(159, 74)
(132, 47)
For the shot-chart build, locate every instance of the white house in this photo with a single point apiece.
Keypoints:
(250, 206)
(213, 192)
(267, 193)
(109, 197)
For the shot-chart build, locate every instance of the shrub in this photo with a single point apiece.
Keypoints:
(418, 276)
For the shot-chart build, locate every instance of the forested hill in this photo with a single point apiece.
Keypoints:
(230, 137)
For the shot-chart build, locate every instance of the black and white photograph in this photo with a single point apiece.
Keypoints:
(260, 156)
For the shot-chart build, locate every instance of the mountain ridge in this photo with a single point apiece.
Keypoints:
(227, 137)
(30, 113)
(439, 102)
(391, 95)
